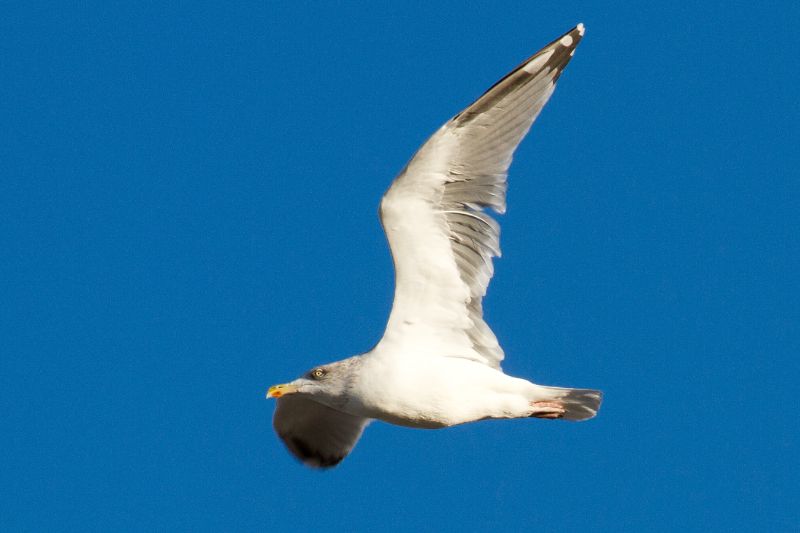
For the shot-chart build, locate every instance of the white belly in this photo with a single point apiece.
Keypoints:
(435, 392)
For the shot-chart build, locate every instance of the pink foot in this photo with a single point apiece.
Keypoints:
(548, 410)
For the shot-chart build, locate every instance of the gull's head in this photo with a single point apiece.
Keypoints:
(327, 382)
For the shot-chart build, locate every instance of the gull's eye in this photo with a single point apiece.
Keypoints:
(317, 373)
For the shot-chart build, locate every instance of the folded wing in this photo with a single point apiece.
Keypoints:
(316, 434)
(441, 238)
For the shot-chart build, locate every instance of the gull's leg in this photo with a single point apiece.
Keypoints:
(548, 409)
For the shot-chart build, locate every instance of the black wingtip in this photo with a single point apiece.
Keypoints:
(559, 51)
(567, 43)
(554, 56)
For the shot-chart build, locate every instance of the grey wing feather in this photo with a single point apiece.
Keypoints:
(488, 133)
(316, 434)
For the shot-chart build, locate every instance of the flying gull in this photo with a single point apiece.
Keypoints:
(438, 363)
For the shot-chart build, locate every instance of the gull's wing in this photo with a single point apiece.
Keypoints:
(316, 434)
(441, 239)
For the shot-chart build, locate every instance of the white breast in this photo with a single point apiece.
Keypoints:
(432, 392)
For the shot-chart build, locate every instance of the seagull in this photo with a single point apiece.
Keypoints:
(438, 362)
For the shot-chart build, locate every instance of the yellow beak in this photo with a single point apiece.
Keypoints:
(276, 391)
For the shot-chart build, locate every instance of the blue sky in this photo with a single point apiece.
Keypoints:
(188, 201)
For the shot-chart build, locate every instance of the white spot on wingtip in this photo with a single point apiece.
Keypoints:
(566, 40)
(580, 28)
(537, 63)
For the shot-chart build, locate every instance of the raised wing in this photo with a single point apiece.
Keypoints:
(316, 434)
(441, 239)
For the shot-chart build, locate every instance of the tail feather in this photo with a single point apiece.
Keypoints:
(579, 404)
